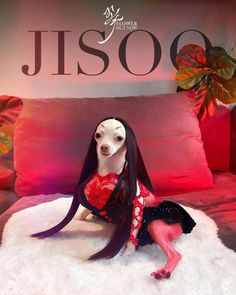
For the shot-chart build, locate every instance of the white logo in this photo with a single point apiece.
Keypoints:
(114, 19)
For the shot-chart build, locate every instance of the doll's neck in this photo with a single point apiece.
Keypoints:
(113, 164)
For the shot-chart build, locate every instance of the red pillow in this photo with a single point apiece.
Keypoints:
(52, 137)
(233, 141)
(216, 138)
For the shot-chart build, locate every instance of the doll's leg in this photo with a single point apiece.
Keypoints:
(163, 234)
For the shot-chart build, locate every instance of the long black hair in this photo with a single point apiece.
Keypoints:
(135, 170)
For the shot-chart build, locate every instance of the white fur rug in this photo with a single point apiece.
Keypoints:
(58, 266)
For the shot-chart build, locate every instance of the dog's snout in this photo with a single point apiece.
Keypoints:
(104, 148)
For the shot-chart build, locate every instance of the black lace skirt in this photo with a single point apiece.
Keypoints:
(167, 211)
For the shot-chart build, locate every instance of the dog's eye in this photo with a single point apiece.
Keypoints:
(97, 135)
(119, 138)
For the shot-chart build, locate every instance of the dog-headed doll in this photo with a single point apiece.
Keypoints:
(114, 185)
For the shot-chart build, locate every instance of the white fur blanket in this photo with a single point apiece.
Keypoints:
(58, 266)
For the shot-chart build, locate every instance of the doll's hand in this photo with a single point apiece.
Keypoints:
(130, 249)
(83, 214)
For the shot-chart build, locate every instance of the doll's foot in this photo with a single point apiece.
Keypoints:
(130, 249)
(161, 274)
(166, 271)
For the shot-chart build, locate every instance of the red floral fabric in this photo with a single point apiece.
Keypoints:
(99, 189)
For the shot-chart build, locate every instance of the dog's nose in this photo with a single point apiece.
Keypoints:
(104, 148)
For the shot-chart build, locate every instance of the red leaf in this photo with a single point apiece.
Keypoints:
(10, 108)
(191, 55)
(205, 102)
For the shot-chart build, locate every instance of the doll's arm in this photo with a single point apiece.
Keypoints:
(137, 215)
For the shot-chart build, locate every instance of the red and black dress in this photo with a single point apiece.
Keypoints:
(104, 196)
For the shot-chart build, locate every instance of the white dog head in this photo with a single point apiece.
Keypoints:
(110, 136)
